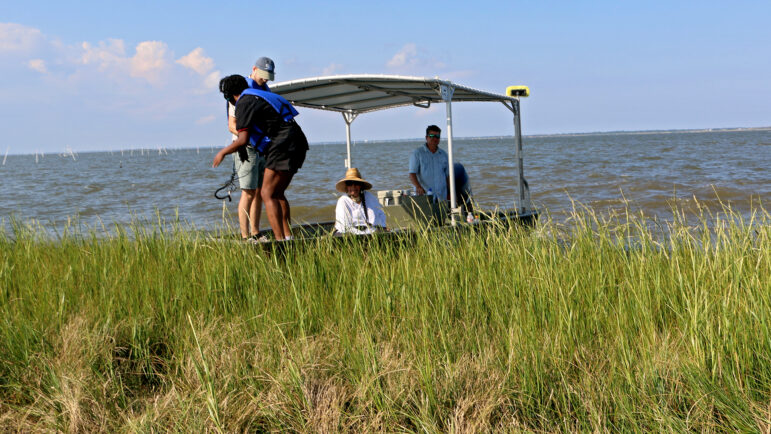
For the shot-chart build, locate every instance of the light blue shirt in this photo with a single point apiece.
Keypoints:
(431, 170)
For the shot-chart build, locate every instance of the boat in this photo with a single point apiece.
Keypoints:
(354, 95)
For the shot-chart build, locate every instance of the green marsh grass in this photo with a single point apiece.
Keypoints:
(595, 323)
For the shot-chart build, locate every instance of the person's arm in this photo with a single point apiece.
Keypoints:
(377, 210)
(342, 216)
(232, 125)
(243, 139)
(414, 168)
(232, 119)
(418, 188)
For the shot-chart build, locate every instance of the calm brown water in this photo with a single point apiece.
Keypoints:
(649, 170)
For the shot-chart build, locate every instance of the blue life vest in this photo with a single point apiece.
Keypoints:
(252, 84)
(284, 108)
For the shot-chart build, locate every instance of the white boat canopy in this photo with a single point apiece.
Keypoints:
(366, 93)
(352, 95)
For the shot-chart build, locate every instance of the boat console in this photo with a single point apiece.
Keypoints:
(407, 211)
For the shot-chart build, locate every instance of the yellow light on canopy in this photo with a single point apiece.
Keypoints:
(522, 91)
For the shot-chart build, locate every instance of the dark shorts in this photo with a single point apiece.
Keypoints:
(287, 150)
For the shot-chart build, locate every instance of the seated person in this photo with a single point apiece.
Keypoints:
(462, 188)
(358, 211)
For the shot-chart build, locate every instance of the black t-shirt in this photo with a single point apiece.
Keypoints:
(255, 111)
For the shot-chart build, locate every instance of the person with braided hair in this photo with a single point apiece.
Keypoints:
(358, 211)
(265, 121)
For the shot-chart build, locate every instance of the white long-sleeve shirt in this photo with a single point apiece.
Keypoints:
(350, 217)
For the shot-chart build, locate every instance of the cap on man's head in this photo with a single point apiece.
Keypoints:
(265, 68)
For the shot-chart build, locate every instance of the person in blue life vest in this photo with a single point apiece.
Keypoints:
(248, 164)
(428, 166)
(265, 121)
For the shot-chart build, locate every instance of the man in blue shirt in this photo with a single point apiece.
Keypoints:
(428, 166)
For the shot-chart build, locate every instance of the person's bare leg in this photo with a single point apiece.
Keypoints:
(273, 185)
(285, 209)
(244, 211)
(255, 211)
(285, 214)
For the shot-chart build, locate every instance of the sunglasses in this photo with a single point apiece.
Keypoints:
(433, 136)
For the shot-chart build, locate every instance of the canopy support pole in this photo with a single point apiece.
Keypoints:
(522, 207)
(520, 166)
(447, 92)
(348, 117)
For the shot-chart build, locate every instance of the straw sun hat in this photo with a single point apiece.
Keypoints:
(352, 174)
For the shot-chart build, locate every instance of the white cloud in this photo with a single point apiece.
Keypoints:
(203, 65)
(105, 55)
(38, 65)
(212, 80)
(197, 61)
(18, 38)
(208, 83)
(331, 69)
(143, 81)
(413, 59)
(407, 56)
(150, 61)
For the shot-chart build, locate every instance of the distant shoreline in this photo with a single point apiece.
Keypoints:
(164, 149)
(615, 133)
(595, 133)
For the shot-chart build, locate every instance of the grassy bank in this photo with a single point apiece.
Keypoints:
(592, 324)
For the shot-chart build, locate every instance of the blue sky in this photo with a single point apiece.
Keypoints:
(110, 75)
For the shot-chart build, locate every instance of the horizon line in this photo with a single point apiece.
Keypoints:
(68, 150)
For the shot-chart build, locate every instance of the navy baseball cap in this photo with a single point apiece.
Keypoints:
(265, 68)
